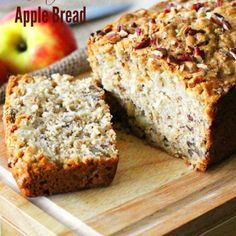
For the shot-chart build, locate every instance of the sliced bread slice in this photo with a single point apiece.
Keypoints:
(58, 134)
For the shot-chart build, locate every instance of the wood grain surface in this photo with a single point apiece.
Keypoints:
(152, 194)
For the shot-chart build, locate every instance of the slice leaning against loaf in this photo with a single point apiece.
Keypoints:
(59, 134)
(174, 73)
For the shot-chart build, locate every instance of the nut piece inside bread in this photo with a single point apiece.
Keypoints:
(174, 73)
(58, 134)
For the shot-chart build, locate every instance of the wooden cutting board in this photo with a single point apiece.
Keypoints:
(152, 194)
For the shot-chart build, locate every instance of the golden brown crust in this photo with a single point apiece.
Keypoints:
(221, 140)
(197, 44)
(46, 178)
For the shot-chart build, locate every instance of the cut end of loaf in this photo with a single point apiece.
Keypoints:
(166, 115)
(59, 134)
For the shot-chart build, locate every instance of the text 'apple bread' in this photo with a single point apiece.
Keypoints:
(174, 72)
(59, 134)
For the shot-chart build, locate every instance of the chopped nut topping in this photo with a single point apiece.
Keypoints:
(108, 29)
(233, 4)
(233, 52)
(226, 25)
(153, 21)
(168, 8)
(113, 37)
(121, 27)
(216, 21)
(154, 41)
(143, 44)
(184, 57)
(134, 25)
(191, 31)
(203, 43)
(99, 32)
(188, 36)
(198, 52)
(172, 59)
(219, 3)
(202, 66)
(220, 21)
(123, 33)
(9, 164)
(138, 31)
(159, 53)
(197, 6)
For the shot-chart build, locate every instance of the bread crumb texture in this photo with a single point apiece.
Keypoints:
(61, 117)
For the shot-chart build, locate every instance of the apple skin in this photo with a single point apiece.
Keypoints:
(25, 49)
(4, 73)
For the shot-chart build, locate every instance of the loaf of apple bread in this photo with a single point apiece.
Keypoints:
(174, 73)
(59, 134)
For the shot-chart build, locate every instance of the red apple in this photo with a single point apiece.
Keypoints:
(4, 73)
(24, 49)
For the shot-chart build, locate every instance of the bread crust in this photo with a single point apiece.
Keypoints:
(41, 176)
(219, 73)
(47, 178)
(222, 135)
